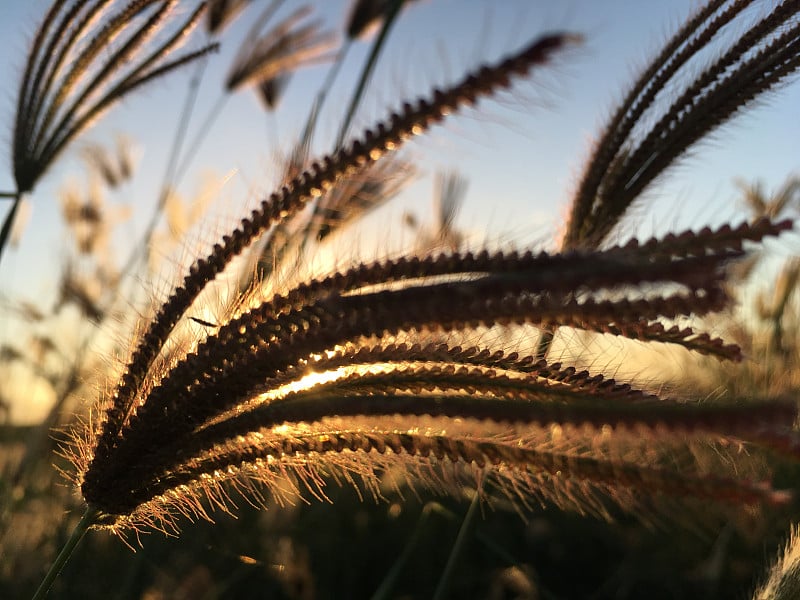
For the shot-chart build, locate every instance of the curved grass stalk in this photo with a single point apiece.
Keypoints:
(688, 40)
(626, 161)
(412, 120)
(268, 458)
(231, 367)
(389, 18)
(385, 588)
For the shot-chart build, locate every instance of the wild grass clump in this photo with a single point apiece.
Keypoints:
(69, 83)
(390, 372)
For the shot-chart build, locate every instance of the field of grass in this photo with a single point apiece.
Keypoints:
(425, 424)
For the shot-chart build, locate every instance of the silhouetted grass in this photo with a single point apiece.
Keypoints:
(381, 378)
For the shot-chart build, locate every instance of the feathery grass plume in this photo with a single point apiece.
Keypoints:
(771, 305)
(348, 200)
(772, 205)
(318, 381)
(271, 90)
(413, 119)
(288, 46)
(240, 405)
(85, 57)
(81, 291)
(352, 198)
(113, 169)
(448, 195)
(364, 15)
(97, 457)
(86, 217)
(642, 140)
(67, 84)
(774, 310)
(28, 311)
(9, 354)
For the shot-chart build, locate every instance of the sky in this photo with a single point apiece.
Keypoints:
(521, 154)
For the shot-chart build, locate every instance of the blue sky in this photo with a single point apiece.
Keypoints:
(521, 154)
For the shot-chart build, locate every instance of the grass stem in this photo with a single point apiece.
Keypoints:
(322, 94)
(386, 588)
(87, 520)
(391, 15)
(174, 168)
(5, 232)
(443, 587)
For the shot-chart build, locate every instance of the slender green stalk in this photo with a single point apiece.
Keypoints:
(442, 588)
(322, 94)
(87, 520)
(387, 585)
(197, 140)
(391, 15)
(174, 168)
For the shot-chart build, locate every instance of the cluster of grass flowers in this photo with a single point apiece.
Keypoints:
(387, 369)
